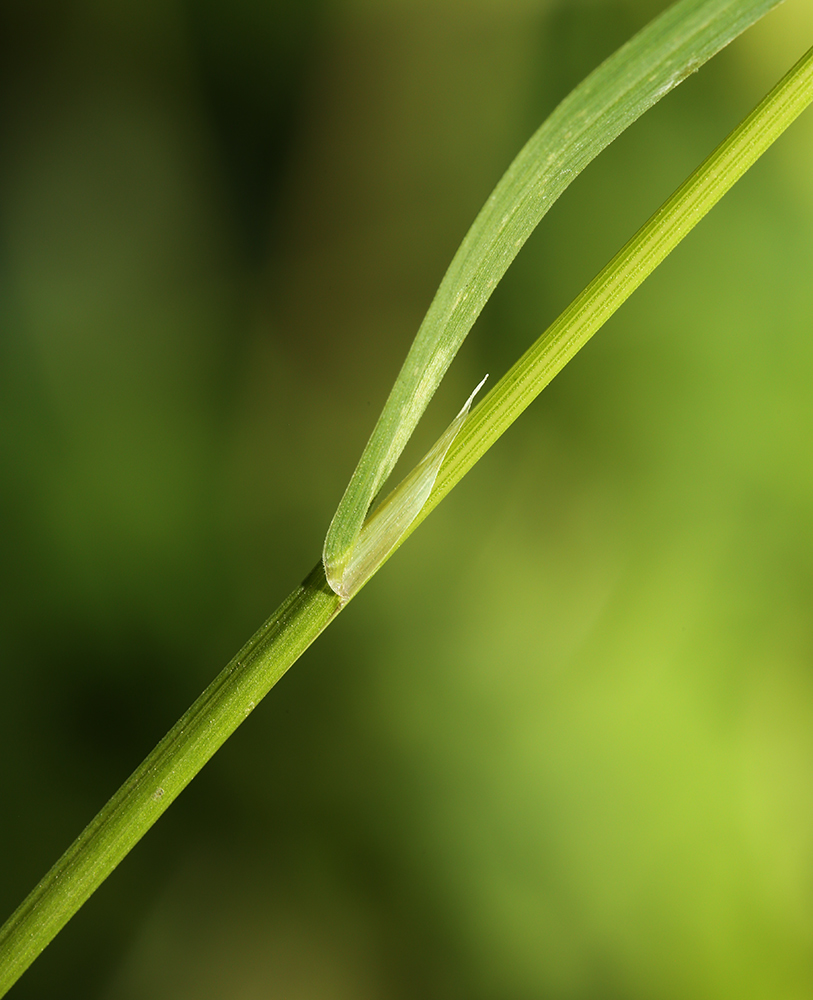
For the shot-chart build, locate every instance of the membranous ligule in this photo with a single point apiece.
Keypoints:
(386, 526)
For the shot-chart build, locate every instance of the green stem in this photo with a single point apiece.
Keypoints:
(292, 628)
(674, 220)
(225, 703)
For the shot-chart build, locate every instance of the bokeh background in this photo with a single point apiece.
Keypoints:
(562, 747)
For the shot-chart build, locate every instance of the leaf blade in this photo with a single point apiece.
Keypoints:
(620, 90)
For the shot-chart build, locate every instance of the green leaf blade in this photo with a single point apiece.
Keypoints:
(595, 113)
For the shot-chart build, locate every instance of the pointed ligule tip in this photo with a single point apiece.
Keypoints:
(470, 400)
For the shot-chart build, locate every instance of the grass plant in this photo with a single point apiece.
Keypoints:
(639, 74)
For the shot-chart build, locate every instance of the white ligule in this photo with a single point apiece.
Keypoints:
(388, 523)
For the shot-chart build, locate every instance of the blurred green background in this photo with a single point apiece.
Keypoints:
(562, 747)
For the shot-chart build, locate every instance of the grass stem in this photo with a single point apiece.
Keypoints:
(625, 272)
(226, 702)
(231, 697)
